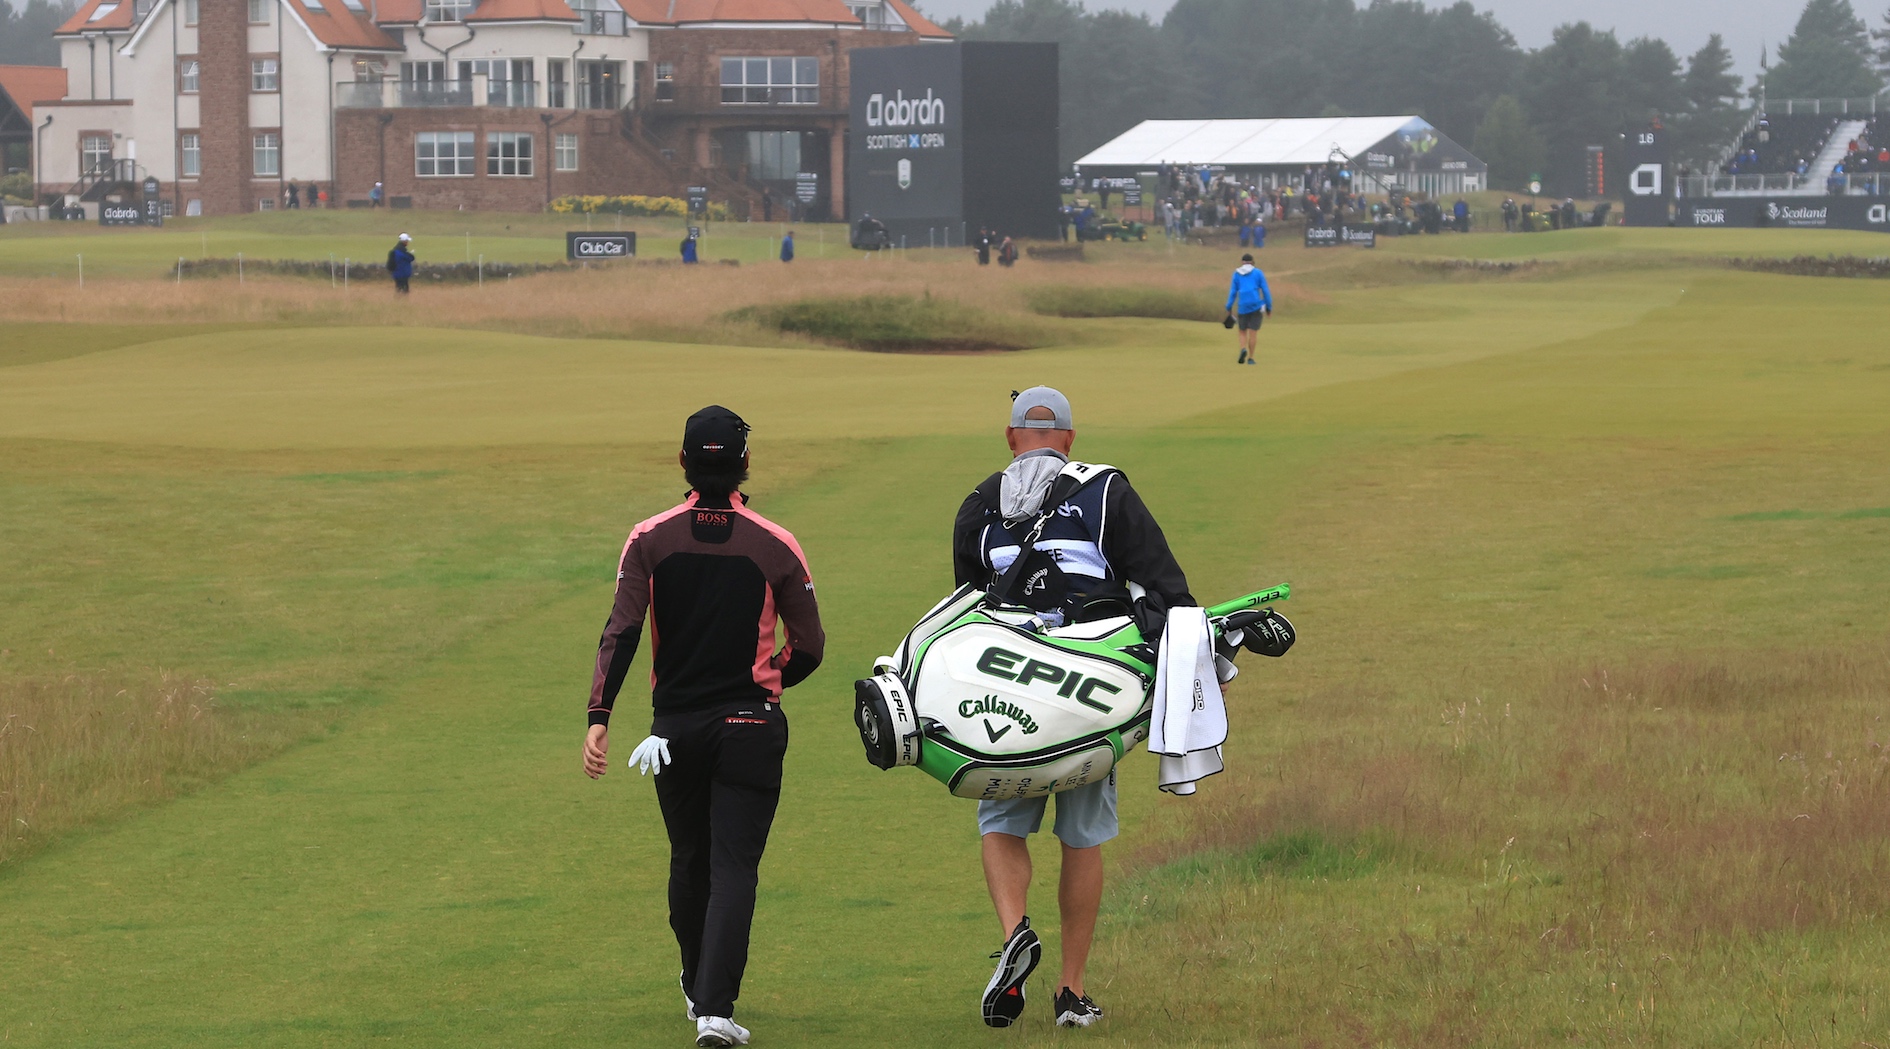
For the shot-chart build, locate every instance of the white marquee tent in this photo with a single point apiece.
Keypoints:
(1395, 150)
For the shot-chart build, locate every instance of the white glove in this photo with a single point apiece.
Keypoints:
(650, 756)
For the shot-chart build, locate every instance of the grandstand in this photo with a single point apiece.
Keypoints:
(1802, 147)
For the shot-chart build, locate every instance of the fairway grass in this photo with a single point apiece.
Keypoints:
(1582, 741)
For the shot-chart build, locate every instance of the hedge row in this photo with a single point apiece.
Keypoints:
(661, 207)
(1814, 266)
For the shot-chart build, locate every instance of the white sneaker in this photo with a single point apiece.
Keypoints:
(720, 1031)
(689, 1004)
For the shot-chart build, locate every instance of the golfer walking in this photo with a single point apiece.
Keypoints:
(1078, 567)
(1248, 293)
(715, 580)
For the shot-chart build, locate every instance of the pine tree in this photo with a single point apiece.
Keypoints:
(1828, 56)
(1507, 143)
(1712, 97)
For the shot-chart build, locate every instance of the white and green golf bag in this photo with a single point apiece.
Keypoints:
(994, 704)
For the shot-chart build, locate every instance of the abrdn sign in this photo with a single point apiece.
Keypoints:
(579, 247)
(900, 111)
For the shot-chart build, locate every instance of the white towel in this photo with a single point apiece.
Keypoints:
(1188, 722)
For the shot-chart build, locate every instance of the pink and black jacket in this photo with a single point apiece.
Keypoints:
(713, 578)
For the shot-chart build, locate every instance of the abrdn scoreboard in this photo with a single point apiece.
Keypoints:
(946, 138)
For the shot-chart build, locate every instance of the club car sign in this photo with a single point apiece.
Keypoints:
(584, 247)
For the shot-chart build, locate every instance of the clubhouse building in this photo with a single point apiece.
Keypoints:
(478, 104)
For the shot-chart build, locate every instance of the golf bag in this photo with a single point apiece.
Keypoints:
(993, 704)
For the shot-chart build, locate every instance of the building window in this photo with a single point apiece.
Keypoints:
(259, 11)
(267, 151)
(190, 12)
(509, 153)
(564, 152)
(95, 153)
(190, 156)
(262, 74)
(369, 70)
(443, 154)
(665, 81)
(101, 11)
(556, 94)
(770, 81)
(188, 76)
(448, 10)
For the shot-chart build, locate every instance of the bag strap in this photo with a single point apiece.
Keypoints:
(1073, 476)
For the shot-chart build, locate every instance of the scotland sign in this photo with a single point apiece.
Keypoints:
(1859, 213)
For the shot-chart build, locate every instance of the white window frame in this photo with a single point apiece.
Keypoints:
(190, 155)
(509, 154)
(265, 8)
(427, 158)
(782, 80)
(90, 158)
(564, 152)
(189, 76)
(265, 154)
(265, 76)
(190, 12)
(448, 11)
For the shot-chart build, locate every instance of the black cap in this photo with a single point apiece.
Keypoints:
(715, 436)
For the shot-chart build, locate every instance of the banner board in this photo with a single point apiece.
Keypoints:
(946, 138)
(806, 186)
(1322, 236)
(579, 247)
(120, 214)
(1858, 213)
(1649, 179)
(698, 199)
(1337, 236)
(1359, 236)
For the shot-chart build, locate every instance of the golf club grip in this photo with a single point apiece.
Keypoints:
(1253, 600)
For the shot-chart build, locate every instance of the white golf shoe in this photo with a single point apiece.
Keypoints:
(720, 1031)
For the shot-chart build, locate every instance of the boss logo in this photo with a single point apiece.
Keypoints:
(1004, 664)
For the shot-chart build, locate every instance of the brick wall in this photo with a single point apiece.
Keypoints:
(226, 185)
(607, 163)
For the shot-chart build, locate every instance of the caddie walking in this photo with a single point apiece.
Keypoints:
(1094, 543)
(716, 581)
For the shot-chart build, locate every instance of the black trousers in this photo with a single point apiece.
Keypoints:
(718, 796)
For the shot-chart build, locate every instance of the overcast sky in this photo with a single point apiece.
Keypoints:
(1746, 24)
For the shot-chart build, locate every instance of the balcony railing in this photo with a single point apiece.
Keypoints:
(600, 96)
(695, 100)
(420, 94)
(602, 23)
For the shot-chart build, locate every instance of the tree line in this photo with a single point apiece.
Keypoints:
(26, 30)
(1523, 111)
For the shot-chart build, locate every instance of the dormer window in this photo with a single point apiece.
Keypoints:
(448, 10)
(102, 12)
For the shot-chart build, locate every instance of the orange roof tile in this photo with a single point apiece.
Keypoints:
(523, 11)
(397, 12)
(119, 17)
(646, 12)
(336, 26)
(826, 12)
(920, 24)
(26, 85)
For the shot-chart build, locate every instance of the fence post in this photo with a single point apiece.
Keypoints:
(482, 269)
(180, 269)
(239, 267)
(344, 273)
(82, 272)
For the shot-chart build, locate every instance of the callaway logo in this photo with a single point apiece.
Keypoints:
(1069, 510)
(998, 663)
(993, 705)
(995, 733)
(1039, 580)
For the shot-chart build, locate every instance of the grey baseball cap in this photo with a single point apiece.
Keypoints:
(1041, 397)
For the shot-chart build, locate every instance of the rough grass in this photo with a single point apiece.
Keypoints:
(1588, 568)
(900, 323)
(77, 748)
(1159, 303)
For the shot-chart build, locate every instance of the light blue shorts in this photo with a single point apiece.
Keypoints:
(1086, 816)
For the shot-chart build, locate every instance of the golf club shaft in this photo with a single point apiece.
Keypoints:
(1253, 600)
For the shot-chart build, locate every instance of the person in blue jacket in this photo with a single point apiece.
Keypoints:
(689, 249)
(787, 246)
(1249, 295)
(400, 263)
